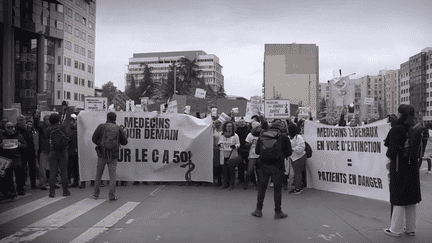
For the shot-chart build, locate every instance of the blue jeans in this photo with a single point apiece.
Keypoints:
(112, 166)
(276, 173)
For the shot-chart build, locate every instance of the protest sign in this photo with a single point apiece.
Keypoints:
(4, 164)
(130, 105)
(224, 117)
(120, 99)
(214, 111)
(96, 103)
(161, 147)
(349, 160)
(200, 93)
(274, 109)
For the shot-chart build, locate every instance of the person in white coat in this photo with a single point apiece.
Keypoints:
(298, 157)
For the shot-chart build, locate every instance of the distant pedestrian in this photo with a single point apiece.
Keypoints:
(404, 174)
(108, 137)
(273, 146)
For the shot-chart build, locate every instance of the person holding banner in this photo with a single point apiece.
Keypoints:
(298, 157)
(217, 169)
(228, 143)
(404, 174)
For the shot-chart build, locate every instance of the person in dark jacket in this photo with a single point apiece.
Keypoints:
(404, 174)
(43, 152)
(58, 159)
(73, 170)
(273, 169)
(106, 156)
(12, 144)
(28, 157)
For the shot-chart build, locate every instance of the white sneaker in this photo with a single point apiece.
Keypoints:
(271, 184)
(428, 172)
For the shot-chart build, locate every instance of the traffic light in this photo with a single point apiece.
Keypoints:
(351, 108)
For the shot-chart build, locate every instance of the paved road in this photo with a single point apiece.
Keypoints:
(173, 213)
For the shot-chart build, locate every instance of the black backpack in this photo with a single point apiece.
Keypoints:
(58, 140)
(271, 145)
(308, 150)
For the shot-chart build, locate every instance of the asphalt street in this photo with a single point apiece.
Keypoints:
(174, 213)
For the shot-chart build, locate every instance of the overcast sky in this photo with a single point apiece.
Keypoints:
(360, 37)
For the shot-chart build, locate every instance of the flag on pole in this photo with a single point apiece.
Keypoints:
(342, 89)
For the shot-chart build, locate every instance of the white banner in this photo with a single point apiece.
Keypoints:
(161, 147)
(349, 160)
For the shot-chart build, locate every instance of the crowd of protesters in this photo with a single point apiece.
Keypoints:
(34, 160)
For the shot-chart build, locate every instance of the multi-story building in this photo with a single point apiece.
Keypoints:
(291, 71)
(404, 84)
(391, 84)
(428, 116)
(43, 41)
(160, 63)
(77, 69)
(417, 90)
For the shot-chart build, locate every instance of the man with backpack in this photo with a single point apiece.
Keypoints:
(108, 137)
(57, 135)
(273, 146)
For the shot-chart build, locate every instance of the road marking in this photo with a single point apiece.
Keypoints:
(54, 221)
(153, 192)
(129, 221)
(26, 208)
(106, 223)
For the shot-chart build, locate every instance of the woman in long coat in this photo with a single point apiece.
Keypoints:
(404, 174)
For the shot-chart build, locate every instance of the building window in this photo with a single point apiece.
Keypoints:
(68, 78)
(83, 66)
(75, 96)
(76, 65)
(69, 12)
(68, 95)
(59, 25)
(76, 80)
(91, 25)
(58, 94)
(82, 97)
(59, 61)
(59, 8)
(58, 77)
(82, 82)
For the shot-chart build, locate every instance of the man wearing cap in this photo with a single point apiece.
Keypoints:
(272, 168)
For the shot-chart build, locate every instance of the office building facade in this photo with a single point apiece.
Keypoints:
(291, 71)
(35, 49)
(160, 62)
